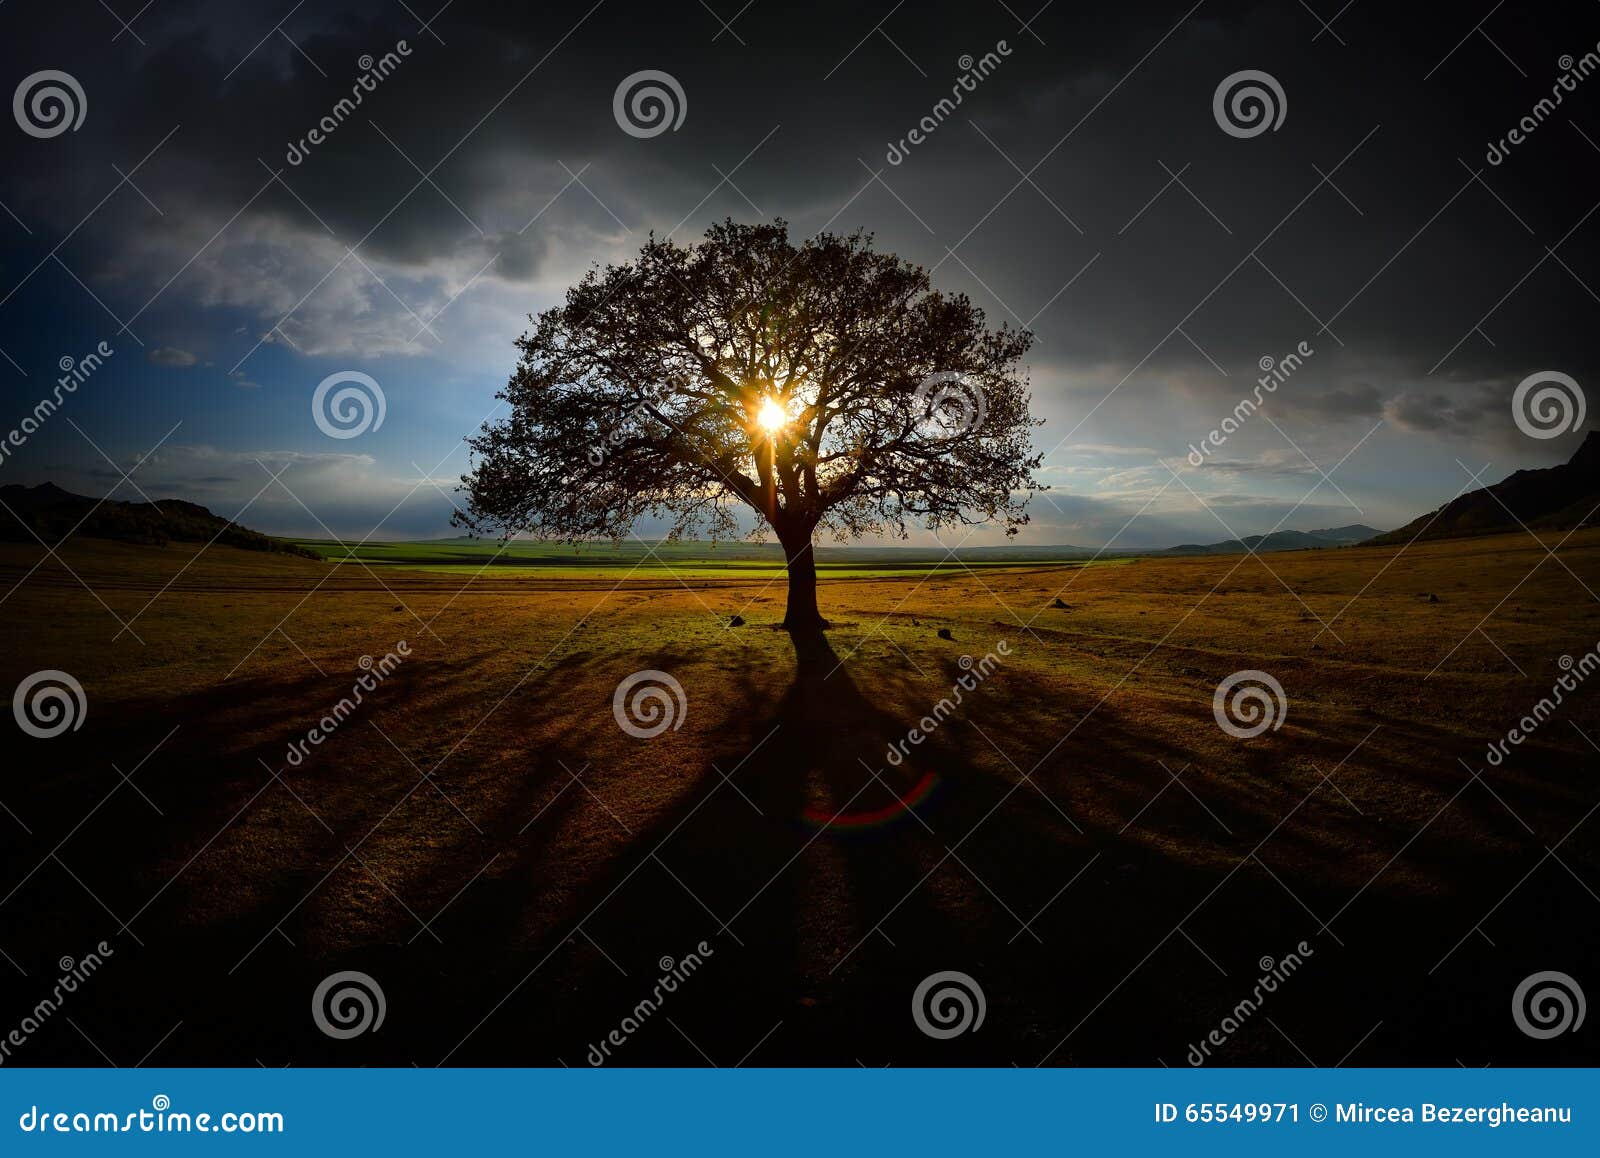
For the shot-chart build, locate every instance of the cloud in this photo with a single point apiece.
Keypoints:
(317, 493)
(1277, 464)
(1357, 400)
(1474, 409)
(1175, 517)
(1105, 450)
(530, 183)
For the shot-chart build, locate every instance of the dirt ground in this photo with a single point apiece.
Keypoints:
(1078, 835)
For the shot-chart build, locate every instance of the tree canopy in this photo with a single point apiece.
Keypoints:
(823, 385)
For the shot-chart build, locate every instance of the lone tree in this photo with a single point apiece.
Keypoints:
(820, 385)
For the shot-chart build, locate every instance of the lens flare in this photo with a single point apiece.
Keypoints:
(772, 417)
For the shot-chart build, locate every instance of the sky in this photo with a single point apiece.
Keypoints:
(1087, 187)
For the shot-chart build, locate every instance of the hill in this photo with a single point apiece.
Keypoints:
(1280, 541)
(1556, 498)
(51, 513)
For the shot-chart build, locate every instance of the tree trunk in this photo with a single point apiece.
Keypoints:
(802, 614)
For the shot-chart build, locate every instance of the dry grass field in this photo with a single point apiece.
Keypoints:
(1079, 836)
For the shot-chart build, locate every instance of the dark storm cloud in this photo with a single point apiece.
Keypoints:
(1464, 410)
(1358, 400)
(1369, 225)
(507, 148)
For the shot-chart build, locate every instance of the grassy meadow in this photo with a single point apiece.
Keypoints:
(1080, 835)
(657, 559)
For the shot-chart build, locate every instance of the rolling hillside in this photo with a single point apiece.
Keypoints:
(1556, 498)
(1280, 541)
(49, 513)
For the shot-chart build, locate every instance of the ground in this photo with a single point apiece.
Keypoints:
(1078, 835)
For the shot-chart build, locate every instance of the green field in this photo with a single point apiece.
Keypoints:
(687, 560)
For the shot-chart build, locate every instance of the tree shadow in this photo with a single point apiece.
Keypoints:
(825, 880)
(783, 852)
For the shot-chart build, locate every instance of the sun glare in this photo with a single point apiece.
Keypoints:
(771, 417)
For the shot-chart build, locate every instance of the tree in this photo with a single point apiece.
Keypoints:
(821, 385)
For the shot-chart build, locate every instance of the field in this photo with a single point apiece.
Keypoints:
(1078, 835)
(641, 559)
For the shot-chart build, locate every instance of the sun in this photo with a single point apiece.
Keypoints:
(772, 417)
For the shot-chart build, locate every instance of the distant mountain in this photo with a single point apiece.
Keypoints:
(1279, 541)
(51, 512)
(1555, 498)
